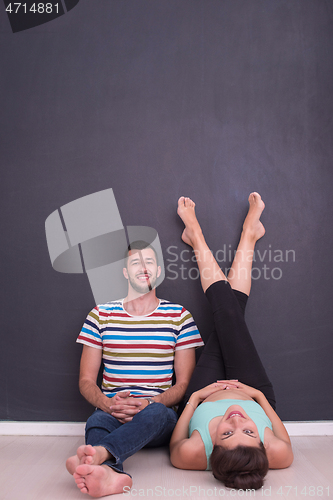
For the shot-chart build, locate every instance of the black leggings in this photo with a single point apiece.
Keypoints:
(229, 352)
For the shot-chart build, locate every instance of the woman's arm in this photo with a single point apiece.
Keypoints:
(180, 432)
(279, 429)
(278, 447)
(189, 452)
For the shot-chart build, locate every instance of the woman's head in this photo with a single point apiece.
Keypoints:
(243, 467)
(236, 428)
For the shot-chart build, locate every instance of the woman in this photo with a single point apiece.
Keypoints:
(235, 430)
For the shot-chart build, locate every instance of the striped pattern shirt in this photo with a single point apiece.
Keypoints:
(138, 351)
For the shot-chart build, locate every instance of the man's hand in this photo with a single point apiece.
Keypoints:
(124, 407)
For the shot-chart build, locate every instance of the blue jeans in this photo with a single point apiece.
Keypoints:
(150, 427)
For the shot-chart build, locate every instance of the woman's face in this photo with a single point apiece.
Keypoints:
(235, 429)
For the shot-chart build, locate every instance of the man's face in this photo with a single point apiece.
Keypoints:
(142, 270)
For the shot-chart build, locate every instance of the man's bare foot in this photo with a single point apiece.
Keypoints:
(87, 454)
(187, 214)
(84, 455)
(252, 226)
(100, 480)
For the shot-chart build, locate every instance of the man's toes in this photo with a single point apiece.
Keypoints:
(83, 488)
(80, 450)
(84, 469)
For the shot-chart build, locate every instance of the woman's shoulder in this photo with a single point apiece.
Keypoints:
(190, 454)
(279, 452)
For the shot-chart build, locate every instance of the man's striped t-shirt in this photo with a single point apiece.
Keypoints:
(138, 351)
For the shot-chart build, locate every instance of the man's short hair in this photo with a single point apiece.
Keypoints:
(139, 245)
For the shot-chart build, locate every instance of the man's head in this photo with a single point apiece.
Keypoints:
(142, 269)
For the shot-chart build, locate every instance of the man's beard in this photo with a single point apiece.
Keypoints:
(144, 287)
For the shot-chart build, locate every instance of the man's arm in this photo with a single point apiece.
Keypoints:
(91, 359)
(184, 364)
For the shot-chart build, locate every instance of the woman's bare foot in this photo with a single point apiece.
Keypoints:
(87, 454)
(186, 211)
(100, 480)
(252, 226)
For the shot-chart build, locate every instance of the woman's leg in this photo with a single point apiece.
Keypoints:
(230, 350)
(239, 275)
(210, 271)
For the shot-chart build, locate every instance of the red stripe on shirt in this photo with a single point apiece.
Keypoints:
(142, 347)
(91, 341)
(185, 342)
(153, 315)
(137, 381)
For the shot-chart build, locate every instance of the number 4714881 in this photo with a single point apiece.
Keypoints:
(36, 8)
(306, 491)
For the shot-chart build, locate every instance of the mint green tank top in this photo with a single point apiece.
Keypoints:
(207, 411)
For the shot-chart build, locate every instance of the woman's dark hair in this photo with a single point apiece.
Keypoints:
(243, 467)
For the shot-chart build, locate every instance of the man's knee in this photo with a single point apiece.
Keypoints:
(158, 412)
(161, 420)
(100, 419)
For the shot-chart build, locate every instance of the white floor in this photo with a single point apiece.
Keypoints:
(32, 468)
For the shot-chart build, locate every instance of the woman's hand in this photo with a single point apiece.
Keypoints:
(208, 390)
(235, 384)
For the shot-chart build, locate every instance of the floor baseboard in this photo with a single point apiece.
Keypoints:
(9, 428)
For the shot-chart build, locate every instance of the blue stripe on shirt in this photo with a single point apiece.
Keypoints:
(91, 332)
(139, 372)
(139, 338)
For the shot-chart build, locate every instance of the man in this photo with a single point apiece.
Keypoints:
(142, 341)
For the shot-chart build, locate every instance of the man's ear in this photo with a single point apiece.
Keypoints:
(125, 273)
(159, 270)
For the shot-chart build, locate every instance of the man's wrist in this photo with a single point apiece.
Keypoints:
(150, 400)
(158, 398)
(105, 403)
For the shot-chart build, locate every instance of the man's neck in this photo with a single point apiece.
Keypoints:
(141, 305)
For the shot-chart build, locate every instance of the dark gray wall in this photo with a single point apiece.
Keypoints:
(159, 98)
